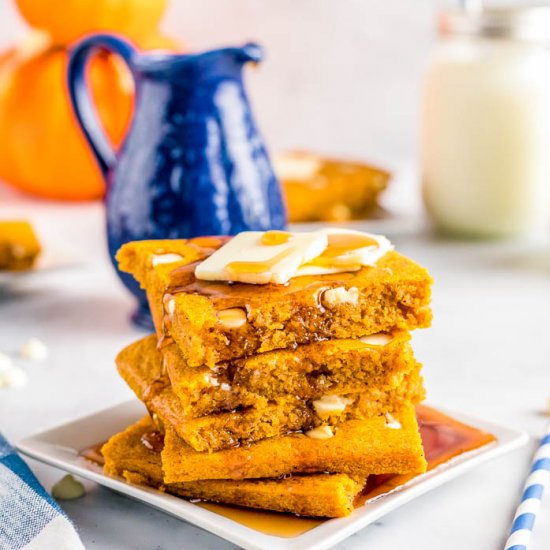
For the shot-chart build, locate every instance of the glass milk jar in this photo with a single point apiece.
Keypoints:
(486, 124)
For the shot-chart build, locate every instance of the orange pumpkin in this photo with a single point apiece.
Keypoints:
(42, 149)
(68, 20)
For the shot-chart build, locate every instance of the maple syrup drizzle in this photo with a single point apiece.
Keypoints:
(259, 267)
(204, 247)
(93, 454)
(273, 238)
(443, 438)
(156, 387)
(343, 243)
(338, 251)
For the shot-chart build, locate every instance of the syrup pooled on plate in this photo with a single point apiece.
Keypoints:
(93, 454)
(276, 524)
(443, 438)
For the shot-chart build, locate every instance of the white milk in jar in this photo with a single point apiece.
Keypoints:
(486, 124)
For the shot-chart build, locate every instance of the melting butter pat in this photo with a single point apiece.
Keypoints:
(276, 256)
(330, 404)
(347, 250)
(246, 259)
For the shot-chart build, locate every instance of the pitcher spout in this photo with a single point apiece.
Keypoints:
(249, 52)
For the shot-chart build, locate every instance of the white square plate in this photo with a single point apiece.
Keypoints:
(61, 447)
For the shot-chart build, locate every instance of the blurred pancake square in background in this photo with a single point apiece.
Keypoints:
(19, 245)
(319, 188)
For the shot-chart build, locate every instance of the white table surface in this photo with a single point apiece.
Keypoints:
(487, 354)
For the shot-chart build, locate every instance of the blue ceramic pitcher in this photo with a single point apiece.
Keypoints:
(193, 162)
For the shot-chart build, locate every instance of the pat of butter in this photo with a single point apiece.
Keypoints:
(246, 259)
(277, 256)
(347, 250)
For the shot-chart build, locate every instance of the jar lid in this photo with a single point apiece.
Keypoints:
(531, 23)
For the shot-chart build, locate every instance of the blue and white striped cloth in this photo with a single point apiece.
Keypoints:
(30, 518)
(526, 513)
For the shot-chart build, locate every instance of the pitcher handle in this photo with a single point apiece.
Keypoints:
(79, 92)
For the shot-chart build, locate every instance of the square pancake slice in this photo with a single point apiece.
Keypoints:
(282, 416)
(332, 367)
(320, 495)
(19, 246)
(143, 372)
(357, 448)
(217, 321)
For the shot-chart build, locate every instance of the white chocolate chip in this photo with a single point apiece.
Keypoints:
(171, 306)
(330, 404)
(17, 378)
(392, 422)
(5, 361)
(322, 432)
(337, 296)
(380, 339)
(34, 350)
(12, 376)
(232, 318)
(225, 387)
(211, 380)
(159, 259)
(68, 488)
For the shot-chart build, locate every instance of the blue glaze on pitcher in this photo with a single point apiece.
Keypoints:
(193, 162)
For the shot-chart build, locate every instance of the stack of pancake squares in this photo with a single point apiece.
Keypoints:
(280, 381)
